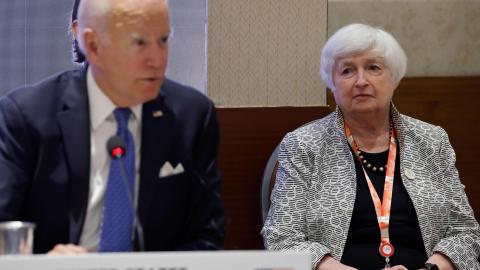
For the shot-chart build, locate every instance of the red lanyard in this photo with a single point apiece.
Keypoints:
(382, 208)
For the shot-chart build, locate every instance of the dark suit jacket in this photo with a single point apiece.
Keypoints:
(45, 164)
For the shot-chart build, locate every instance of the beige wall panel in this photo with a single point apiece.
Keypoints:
(440, 37)
(265, 52)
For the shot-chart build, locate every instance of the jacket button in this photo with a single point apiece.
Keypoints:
(410, 174)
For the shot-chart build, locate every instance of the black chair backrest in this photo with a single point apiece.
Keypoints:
(268, 181)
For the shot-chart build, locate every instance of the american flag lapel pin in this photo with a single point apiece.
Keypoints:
(157, 113)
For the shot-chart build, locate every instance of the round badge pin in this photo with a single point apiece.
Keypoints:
(386, 250)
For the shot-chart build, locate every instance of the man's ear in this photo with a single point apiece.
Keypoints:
(74, 29)
(91, 43)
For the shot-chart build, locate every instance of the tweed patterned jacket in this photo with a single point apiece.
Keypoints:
(314, 194)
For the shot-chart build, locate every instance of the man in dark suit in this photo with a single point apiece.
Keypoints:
(54, 167)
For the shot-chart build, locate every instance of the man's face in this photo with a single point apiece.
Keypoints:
(132, 58)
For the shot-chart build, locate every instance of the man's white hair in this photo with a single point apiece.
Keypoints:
(359, 38)
(95, 14)
(92, 14)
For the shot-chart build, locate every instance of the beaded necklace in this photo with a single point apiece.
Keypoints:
(369, 165)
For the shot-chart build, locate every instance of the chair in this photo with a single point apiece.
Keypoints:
(269, 176)
(268, 182)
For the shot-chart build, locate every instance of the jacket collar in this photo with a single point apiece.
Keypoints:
(74, 123)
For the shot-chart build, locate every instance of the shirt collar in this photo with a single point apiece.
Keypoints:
(101, 107)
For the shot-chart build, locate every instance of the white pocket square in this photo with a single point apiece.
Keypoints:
(168, 170)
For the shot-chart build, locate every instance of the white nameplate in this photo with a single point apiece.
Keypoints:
(197, 260)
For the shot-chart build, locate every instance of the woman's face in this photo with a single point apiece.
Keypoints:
(363, 84)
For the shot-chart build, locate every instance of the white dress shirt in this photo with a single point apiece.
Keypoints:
(102, 126)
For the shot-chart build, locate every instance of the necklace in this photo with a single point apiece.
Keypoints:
(370, 165)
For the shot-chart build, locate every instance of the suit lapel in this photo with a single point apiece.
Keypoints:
(74, 122)
(414, 187)
(345, 171)
(159, 132)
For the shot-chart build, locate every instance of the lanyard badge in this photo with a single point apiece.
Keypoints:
(382, 208)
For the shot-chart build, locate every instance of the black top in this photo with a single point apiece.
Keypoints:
(363, 241)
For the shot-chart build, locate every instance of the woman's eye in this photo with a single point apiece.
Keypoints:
(346, 71)
(375, 69)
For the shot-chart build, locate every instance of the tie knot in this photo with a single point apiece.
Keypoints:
(122, 115)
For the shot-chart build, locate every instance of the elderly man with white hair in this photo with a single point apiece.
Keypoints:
(157, 186)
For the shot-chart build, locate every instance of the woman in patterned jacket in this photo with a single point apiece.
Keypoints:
(367, 187)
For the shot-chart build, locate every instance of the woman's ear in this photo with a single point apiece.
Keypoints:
(395, 84)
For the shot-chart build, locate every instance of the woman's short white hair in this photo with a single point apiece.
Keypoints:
(359, 38)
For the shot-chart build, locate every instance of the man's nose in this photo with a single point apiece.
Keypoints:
(156, 57)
